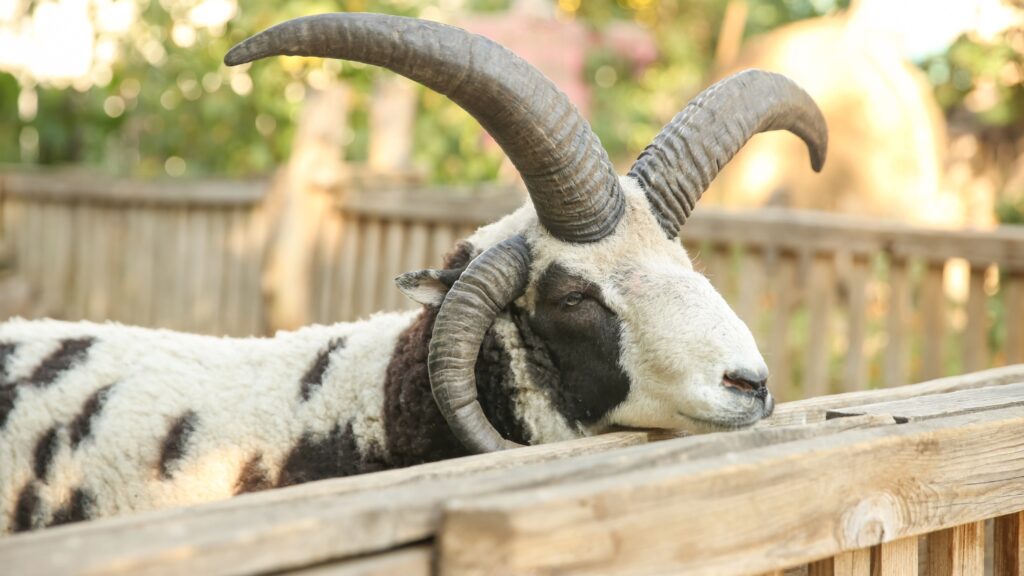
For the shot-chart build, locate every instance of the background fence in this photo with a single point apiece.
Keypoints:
(836, 303)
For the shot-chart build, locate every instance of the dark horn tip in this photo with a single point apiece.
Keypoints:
(239, 54)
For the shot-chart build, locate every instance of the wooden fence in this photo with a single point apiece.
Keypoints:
(836, 303)
(897, 481)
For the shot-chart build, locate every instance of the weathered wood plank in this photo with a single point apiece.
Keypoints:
(1009, 545)
(821, 301)
(751, 289)
(855, 375)
(96, 189)
(974, 339)
(933, 320)
(813, 498)
(852, 563)
(814, 409)
(351, 237)
(408, 561)
(896, 323)
(369, 290)
(441, 206)
(1013, 288)
(938, 405)
(312, 523)
(957, 551)
(895, 558)
(784, 285)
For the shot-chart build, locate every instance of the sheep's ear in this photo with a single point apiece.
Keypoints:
(428, 287)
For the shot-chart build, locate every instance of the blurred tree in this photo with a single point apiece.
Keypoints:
(156, 100)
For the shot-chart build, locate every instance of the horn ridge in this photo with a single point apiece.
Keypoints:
(489, 283)
(567, 172)
(684, 158)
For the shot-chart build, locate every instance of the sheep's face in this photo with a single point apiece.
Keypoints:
(640, 338)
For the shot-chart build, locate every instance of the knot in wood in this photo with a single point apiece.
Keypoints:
(869, 520)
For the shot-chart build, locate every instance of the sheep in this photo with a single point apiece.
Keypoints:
(579, 312)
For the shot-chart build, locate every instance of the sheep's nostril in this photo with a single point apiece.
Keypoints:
(747, 382)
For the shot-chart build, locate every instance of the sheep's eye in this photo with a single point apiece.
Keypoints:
(573, 298)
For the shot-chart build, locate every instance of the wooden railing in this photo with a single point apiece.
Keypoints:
(836, 303)
(188, 257)
(863, 483)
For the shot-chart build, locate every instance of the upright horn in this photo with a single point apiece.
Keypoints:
(573, 185)
(687, 154)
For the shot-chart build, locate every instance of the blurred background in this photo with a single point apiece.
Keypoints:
(142, 181)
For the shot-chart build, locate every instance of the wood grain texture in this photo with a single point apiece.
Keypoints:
(957, 551)
(1013, 290)
(772, 507)
(307, 524)
(408, 561)
(814, 409)
(895, 558)
(896, 323)
(855, 375)
(933, 320)
(1008, 555)
(938, 405)
(975, 342)
(852, 563)
(821, 296)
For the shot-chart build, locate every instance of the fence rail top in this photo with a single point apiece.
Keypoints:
(822, 232)
(80, 186)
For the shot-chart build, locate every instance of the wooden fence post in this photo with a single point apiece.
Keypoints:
(957, 551)
(896, 558)
(1009, 545)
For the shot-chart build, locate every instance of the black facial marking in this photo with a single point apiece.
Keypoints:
(69, 353)
(44, 453)
(582, 337)
(313, 379)
(253, 477)
(26, 508)
(176, 442)
(319, 456)
(81, 426)
(6, 353)
(78, 508)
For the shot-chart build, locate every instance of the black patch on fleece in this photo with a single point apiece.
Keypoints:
(8, 391)
(81, 426)
(78, 508)
(8, 396)
(176, 442)
(319, 456)
(26, 509)
(313, 379)
(414, 430)
(70, 352)
(44, 453)
(6, 353)
(253, 477)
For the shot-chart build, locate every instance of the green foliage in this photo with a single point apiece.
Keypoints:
(171, 107)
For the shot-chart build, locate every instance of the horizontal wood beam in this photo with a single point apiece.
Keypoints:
(303, 525)
(92, 188)
(763, 509)
(938, 405)
(815, 409)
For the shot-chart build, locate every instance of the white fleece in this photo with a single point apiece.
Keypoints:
(245, 394)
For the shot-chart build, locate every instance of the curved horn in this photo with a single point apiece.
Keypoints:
(687, 154)
(490, 282)
(574, 188)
